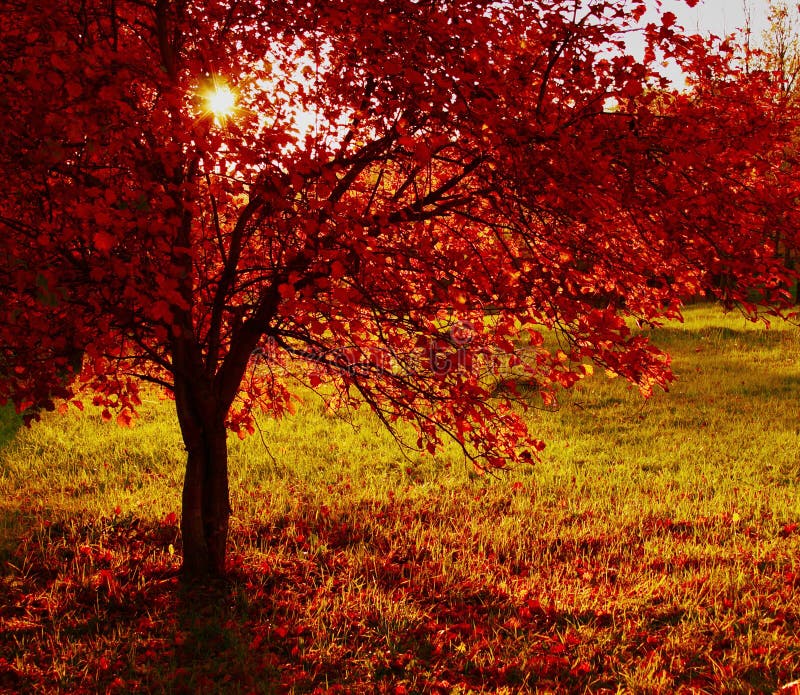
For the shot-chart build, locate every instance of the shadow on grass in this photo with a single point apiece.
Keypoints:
(217, 649)
(10, 423)
(670, 337)
(96, 606)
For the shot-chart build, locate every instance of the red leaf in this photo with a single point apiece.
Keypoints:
(103, 241)
(788, 530)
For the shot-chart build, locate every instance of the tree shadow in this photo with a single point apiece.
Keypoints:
(98, 607)
(10, 423)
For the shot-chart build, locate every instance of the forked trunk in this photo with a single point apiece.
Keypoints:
(205, 503)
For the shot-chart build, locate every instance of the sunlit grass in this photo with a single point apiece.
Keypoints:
(653, 549)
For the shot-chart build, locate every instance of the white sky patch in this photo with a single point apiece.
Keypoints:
(719, 17)
(292, 98)
(709, 17)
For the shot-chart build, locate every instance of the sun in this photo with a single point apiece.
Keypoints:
(220, 101)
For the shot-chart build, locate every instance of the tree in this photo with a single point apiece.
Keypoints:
(384, 202)
(781, 47)
(778, 56)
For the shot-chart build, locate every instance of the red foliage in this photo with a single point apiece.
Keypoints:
(402, 197)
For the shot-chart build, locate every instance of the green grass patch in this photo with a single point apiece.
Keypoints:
(10, 422)
(654, 549)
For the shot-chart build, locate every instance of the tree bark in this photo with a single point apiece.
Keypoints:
(205, 500)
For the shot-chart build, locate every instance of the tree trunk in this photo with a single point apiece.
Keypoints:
(205, 502)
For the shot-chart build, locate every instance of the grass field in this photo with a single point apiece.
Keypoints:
(654, 549)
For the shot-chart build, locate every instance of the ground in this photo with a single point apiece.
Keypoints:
(654, 549)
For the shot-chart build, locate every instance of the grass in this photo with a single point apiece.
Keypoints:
(10, 422)
(655, 548)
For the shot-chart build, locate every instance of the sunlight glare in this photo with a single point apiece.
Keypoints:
(221, 101)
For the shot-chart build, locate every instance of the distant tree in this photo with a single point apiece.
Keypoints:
(781, 46)
(385, 202)
(777, 53)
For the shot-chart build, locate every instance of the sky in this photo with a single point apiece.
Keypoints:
(717, 16)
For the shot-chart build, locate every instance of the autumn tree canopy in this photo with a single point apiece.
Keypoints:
(386, 202)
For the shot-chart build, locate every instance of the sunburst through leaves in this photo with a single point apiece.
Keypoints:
(219, 101)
